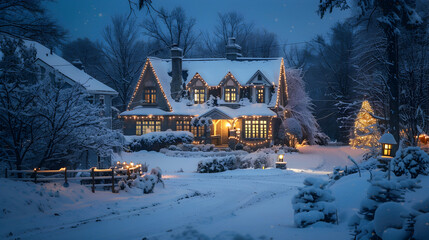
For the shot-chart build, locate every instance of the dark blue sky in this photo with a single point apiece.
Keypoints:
(292, 20)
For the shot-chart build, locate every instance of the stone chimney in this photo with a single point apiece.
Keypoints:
(176, 72)
(233, 50)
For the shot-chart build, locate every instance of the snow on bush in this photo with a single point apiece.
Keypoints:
(256, 160)
(217, 164)
(421, 227)
(154, 141)
(388, 219)
(313, 203)
(146, 182)
(411, 161)
(339, 172)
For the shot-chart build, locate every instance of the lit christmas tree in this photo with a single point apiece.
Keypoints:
(365, 132)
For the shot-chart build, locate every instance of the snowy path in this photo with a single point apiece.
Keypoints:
(253, 202)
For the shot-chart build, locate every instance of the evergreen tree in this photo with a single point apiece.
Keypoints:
(365, 132)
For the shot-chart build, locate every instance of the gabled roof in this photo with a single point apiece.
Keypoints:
(91, 84)
(213, 70)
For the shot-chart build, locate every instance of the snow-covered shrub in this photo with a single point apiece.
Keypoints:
(339, 172)
(256, 160)
(146, 182)
(313, 203)
(217, 164)
(421, 227)
(382, 203)
(154, 141)
(411, 161)
(293, 131)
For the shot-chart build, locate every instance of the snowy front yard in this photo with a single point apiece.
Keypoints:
(252, 203)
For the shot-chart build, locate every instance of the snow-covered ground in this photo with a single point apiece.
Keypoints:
(251, 203)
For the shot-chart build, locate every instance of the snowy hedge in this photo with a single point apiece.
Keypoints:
(154, 141)
(146, 182)
(217, 164)
(411, 161)
(313, 203)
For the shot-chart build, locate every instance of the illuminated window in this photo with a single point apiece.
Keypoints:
(197, 131)
(147, 126)
(199, 95)
(255, 129)
(260, 95)
(183, 125)
(230, 94)
(150, 95)
(387, 149)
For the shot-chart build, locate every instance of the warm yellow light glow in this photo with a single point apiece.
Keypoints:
(132, 164)
(365, 130)
(228, 125)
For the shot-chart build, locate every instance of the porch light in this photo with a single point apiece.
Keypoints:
(387, 142)
(280, 160)
(228, 125)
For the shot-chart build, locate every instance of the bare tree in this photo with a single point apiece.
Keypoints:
(230, 24)
(28, 19)
(124, 55)
(171, 28)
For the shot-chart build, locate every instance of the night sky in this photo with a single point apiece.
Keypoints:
(292, 20)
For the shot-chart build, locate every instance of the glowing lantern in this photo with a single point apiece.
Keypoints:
(280, 160)
(387, 142)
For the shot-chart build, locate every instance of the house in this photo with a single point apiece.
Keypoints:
(58, 69)
(240, 95)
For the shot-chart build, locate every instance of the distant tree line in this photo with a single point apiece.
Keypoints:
(357, 62)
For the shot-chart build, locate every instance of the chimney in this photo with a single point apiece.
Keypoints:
(176, 72)
(233, 50)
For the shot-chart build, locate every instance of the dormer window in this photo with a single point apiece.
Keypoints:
(260, 95)
(259, 77)
(199, 95)
(150, 95)
(230, 94)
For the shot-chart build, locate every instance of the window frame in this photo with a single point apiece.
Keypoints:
(227, 91)
(143, 125)
(258, 100)
(198, 132)
(150, 97)
(255, 129)
(183, 125)
(194, 94)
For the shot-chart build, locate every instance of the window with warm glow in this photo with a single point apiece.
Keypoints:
(260, 95)
(199, 95)
(147, 126)
(183, 125)
(150, 95)
(387, 149)
(198, 131)
(230, 94)
(255, 129)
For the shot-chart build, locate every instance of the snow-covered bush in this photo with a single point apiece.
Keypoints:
(256, 160)
(389, 220)
(217, 164)
(313, 203)
(154, 141)
(411, 161)
(146, 182)
(421, 227)
(339, 172)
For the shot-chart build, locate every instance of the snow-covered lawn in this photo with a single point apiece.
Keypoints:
(248, 202)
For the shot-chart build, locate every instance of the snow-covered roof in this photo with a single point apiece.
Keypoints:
(256, 109)
(387, 138)
(91, 84)
(213, 70)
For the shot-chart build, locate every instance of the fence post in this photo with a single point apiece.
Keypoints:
(35, 175)
(5, 172)
(113, 180)
(66, 184)
(93, 179)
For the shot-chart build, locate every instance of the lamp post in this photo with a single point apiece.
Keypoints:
(280, 160)
(388, 145)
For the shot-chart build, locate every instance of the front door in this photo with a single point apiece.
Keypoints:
(219, 131)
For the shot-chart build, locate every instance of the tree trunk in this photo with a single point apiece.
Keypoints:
(393, 82)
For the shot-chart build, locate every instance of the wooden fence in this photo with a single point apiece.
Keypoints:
(97, 178)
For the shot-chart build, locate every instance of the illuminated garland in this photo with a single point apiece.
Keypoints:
(157, 79)
(282, 73)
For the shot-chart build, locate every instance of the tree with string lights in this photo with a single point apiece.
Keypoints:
(365, 131)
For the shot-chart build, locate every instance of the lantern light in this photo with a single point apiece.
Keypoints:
(280, 160)
(387, 142)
